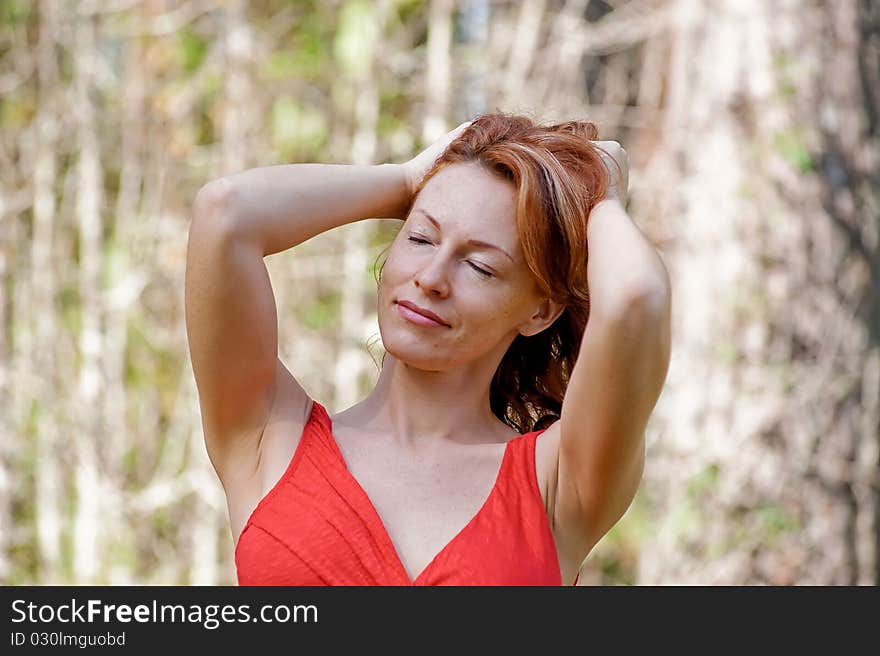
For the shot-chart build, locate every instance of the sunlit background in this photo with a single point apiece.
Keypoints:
(753, 129)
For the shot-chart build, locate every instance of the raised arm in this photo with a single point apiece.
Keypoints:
(618, 377)
(231, 318)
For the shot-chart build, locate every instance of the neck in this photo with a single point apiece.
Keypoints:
(415, 406)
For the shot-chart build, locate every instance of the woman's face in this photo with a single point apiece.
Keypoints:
(458, 256)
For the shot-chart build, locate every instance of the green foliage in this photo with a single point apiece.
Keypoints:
(726, 350)
(162, 523)
(69, 306)
(191, 49)
(306, 55)
(409, 10)
(783, 63)
(136, 368)
(281, 65)
(204, 128)
(32, 420)
(792, 144)
(324, 311)
(130, 463)
(298, 130)
(166, 376)
(121, 552)
(114, 263)
(786, 375)
(685, 519)
(22, 553)
(392, 105)
(150, 365)
(16, 12)
(356, 35)
(775, 520)
(17, 111)
(704, 481)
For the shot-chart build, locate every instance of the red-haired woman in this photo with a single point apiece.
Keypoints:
(505, 434)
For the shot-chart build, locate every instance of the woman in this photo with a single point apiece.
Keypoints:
(483, 455)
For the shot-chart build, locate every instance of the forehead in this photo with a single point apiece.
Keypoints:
(465, 196)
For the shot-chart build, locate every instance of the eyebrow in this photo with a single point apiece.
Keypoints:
(472, 242)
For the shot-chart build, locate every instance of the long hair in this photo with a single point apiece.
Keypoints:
(559, 176)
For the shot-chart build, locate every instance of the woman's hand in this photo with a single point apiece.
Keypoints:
(616, 163)
(416, 168)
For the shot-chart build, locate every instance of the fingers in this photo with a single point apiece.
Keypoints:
(612, 147)
(614, 151)
(616, 161)
(461, 128)
(450, 136)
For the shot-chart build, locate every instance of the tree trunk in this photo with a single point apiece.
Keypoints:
(37, 344)
(766, 471)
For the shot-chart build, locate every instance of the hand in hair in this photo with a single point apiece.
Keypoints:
(616, 162)
(416, 168)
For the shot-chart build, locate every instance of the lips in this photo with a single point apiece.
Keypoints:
(422, 311)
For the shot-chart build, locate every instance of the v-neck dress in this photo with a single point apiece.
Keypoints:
(317, 526)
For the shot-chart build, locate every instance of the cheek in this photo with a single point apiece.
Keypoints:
(490, 315)
(393, 263)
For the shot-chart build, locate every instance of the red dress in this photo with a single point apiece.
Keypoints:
(317, 526)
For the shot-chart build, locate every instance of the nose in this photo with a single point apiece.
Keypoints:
(431, 278)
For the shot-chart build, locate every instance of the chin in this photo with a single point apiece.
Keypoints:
(414, 350)
(416, 354)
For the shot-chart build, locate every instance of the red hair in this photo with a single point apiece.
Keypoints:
(559, 177)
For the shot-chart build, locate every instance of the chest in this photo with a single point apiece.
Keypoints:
(424, 500)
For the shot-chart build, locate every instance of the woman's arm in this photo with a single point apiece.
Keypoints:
(618, 377)
(231, 318)
(279, 207)
(623, 265)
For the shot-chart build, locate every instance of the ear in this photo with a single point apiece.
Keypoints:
(545, 314)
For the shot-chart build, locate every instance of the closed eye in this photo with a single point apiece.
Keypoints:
(482, 272)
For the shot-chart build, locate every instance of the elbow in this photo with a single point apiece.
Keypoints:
(652, 290)
(642, 287)
(652, 294)
(658, 287)
(647, 296)
(215, 202)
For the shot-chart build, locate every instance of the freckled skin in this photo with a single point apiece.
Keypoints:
(485, 313)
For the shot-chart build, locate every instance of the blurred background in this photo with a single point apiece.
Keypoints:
(753, 128)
